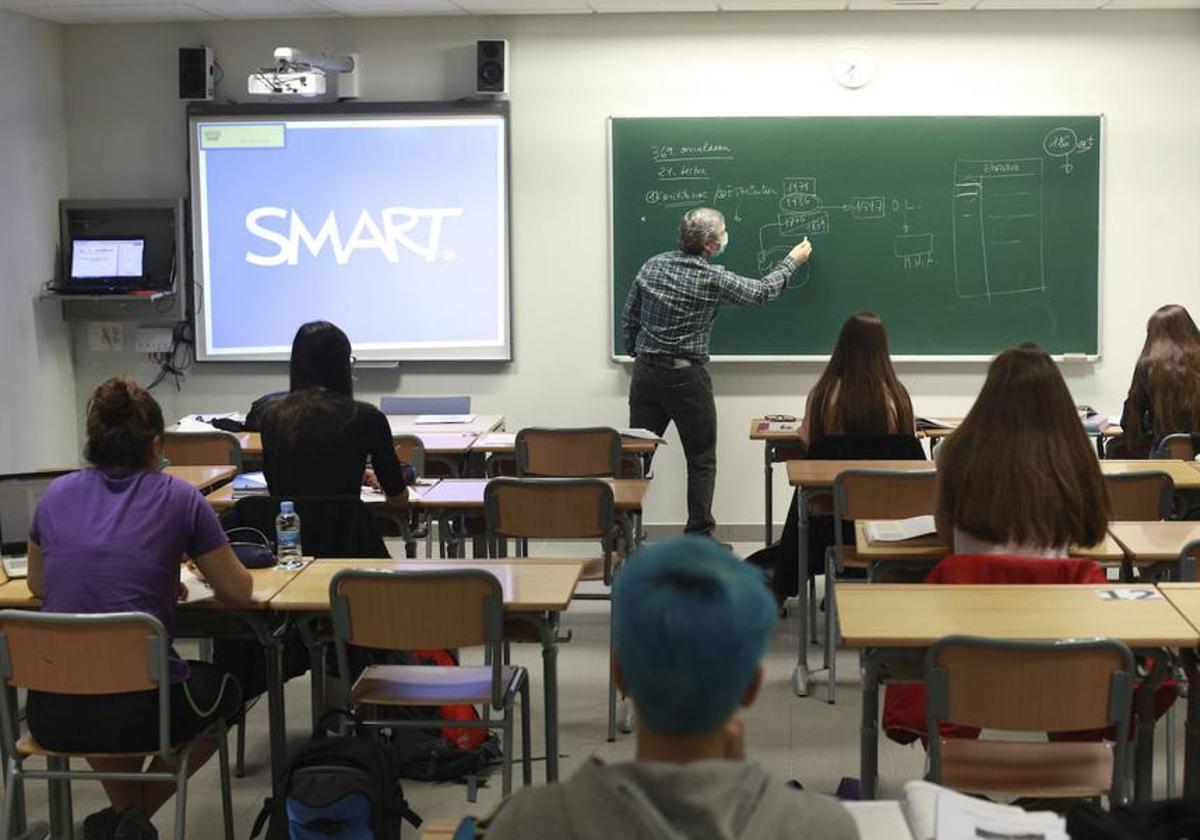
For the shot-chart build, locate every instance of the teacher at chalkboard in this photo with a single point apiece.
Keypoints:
(667, 323)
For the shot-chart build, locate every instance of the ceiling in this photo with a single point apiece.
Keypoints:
(145, 11)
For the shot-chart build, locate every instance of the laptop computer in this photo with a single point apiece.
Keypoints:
(19, 497)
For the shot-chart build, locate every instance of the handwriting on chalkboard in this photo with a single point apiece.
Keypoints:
(692, 152)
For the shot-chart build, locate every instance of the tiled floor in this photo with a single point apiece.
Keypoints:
(800, 738)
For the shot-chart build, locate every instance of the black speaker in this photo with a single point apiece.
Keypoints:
(195, 73)
(491, 66)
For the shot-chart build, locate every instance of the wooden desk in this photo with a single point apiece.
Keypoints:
(928, 550)
(405, 424)
(895, 623)
(820, 474)
(1159, 543)
(533, 593)
(205, 479)
(222, 499)
(505, 443)
(467, 494)
(545, 586)
(1186, 598)
(1183, 473)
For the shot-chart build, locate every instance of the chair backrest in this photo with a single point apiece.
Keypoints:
(61, 653)
(330, 526)
(880, 494)
(1140, 496)
(1187, 560)
(187, 449)
(398, 610)
(425, 405)
(866, 447)
(1029, 686)
(1182, 446)
(548, 508)
(411, 450)
(569, 453)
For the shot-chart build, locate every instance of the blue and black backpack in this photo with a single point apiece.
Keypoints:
(338, 788)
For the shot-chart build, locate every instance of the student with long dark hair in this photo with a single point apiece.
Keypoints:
(1018, 476)
(317, 439)
(858, 398)
(858, 393)
(110, 538)
(1164, 396)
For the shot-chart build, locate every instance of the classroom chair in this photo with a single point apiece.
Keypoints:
(93, 654)
(1182, 446)
(592, 452)
(557, 509)
(397, 610)
(409, 525)
(867, 494)
(1032, 687)
(1147, 496)
(425, 405)
(202, 449)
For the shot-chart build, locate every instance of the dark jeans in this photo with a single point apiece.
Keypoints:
(660, 394)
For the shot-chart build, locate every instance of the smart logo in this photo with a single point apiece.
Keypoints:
(397, 227)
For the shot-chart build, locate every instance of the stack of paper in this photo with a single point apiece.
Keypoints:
(249, 484)
(433, 419)
(899, 530)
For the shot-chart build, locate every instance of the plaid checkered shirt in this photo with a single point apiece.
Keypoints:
(674, 300)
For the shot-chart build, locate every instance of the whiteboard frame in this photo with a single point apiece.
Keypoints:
(1090, 358)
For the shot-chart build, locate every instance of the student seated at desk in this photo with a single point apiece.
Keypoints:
(110, 538)
(690, 624)
(1018, 476)
(317, 439)
(858, 397)
(1164, 396)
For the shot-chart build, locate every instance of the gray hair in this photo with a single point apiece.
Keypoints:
(699, 226)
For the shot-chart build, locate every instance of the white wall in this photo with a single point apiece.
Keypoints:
(126, 137)
(36, 382)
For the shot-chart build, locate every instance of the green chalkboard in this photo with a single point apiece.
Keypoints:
(965, 234)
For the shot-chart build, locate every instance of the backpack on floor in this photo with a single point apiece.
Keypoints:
(338, 788)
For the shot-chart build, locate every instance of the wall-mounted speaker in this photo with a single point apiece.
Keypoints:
(195, 73)
(491, 66)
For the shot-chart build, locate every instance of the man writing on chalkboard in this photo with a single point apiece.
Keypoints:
(667, 323)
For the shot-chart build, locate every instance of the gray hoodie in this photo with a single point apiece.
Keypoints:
(644, 800)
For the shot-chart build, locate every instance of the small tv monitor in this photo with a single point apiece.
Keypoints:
(108, 260)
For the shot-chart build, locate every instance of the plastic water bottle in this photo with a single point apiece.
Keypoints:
(287, 536)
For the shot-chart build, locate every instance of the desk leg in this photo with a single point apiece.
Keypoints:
(868, 754)
(800, 675)
(550, 678)
(1143, 781)
(276, 714)
(1191, 738)
(768, 472)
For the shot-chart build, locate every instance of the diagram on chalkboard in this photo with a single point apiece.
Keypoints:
(1063, 142)
(998, 227)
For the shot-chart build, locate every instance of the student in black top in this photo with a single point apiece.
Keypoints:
(317, 439)
(1164, 396)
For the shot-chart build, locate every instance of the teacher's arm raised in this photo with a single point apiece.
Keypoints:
(748, 291)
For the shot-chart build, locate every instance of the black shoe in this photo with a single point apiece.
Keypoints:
(133, 825)
(101, 825)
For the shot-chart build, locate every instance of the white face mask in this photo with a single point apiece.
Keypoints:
(723, 245)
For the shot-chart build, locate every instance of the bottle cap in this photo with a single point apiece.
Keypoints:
(287, 507)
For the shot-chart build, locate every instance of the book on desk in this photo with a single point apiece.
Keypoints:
(926, 811)
(900, 530)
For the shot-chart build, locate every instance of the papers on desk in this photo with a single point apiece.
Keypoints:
(431, 419)
(497, 440)
(203, 422)
(16, 567)
(249, 484)
(926, 811)
(372, 495)
(197, 589)
(899, 530)
(779, 426)
(642, 434)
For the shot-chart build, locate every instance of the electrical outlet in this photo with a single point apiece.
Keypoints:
(106, 336)
(152, 340)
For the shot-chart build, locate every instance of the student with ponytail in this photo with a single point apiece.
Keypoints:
(111, 538)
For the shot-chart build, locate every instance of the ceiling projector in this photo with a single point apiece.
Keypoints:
(298, 73)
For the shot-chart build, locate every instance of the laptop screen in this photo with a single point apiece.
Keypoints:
(104, 259)
(19, 497)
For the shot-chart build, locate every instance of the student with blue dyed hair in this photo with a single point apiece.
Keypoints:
(690, 624)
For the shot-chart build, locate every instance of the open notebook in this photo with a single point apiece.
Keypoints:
(926, 811)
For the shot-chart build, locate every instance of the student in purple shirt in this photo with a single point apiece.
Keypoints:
(111, 538)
